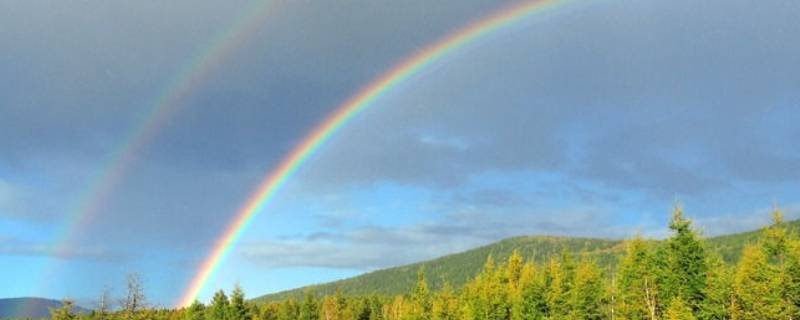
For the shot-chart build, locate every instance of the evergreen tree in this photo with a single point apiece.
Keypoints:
(270, 312)
(533, 295)
(586, 296)
(718, 290)
(289, 310)
(445, 305)
(679, 310)
(791, 278)
(637, 288)
(64, 312)
(196, 311)
(557, 294)
(376, 308)
(329, 310)
(219, 308)
(309, 309)
(238, 308)
(421, 299)
(757, 294)
(686, 263)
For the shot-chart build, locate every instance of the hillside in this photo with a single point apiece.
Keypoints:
(458, 268)
(29, 308)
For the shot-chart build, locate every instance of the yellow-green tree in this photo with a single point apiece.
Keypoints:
(587, 294)
(637, 291)
(757, 288)
(65, 312)
(679, 310)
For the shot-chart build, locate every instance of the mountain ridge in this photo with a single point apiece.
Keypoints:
(30, 307)
(457, 268)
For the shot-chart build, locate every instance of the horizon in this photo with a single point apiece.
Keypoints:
(279, 144)
(252, 296)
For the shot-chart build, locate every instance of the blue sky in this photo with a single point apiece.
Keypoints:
(591, 120)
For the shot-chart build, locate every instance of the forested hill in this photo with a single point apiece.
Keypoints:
(30, 308)
(459, 268)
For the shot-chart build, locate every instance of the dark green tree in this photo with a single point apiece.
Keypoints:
(219, 308)
(238, 307)
(196, 311)
(309, 310)
(686, 270)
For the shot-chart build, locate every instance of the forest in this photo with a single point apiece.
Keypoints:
(679, 278)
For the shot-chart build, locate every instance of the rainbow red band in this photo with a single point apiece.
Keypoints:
(342, 114)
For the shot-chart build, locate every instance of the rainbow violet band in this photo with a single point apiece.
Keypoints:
(341, 116)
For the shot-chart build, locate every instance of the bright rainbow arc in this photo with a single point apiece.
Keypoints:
(345, 112)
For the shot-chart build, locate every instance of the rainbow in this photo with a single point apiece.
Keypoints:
(345, 112)
(190, 76)
(164, 106)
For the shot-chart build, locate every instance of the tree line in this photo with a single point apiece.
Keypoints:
(676, 279)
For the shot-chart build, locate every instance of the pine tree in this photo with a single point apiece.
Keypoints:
(445, 305)
(791, 281)
(679, 310)
(557, 293)
(270, 312)
(421, 299)
(65, 312)
(289, 310)
(514, 269)
(637, 288)
(586, 296)
(533, 295)
(219, 308)
(718, 290)
(196, 311)
(329, 310)
(309, 309)
(686, 263)
(376, 308)
(757, 295)
(238, 307)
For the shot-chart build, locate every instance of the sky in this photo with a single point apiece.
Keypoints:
(591, 119)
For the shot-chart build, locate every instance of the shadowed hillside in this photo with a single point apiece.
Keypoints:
(30, 308)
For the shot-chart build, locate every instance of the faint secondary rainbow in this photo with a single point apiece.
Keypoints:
(342, 114)
(147, 125)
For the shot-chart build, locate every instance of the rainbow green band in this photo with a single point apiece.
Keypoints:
(342, 114)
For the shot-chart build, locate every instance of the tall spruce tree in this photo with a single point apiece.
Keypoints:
(64, 312)
(718, 290)
(679, 310)
(686, 270)
(636, 283)
(757, 294)
(238, 307)
(421, 299)
(445, 304)
(533, 295)
(587, 294)
(309, 310)
(219, 308)
(195, 311)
